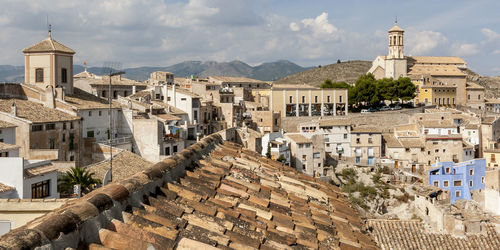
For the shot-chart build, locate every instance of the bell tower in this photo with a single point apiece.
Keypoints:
(396, 42)
(396, 65)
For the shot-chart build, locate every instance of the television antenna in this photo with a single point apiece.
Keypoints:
(111, 69)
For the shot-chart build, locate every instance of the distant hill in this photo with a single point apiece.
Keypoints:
(491, 84)
(345, 71)
(9, 73)
(266, 72)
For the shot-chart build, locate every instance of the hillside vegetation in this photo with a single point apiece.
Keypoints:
(490, 83)
(344, 71)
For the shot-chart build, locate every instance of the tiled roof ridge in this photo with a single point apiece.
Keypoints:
(72, 217)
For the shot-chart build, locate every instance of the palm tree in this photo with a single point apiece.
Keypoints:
(78, 175)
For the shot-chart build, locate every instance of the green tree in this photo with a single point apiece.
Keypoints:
(338, 61)
(328, 84)
(405, 89)
(268, 153)
(77, 175)
(366, 90)
(386, 89)
(281, 159)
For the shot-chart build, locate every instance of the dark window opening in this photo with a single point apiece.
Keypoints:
(64, 75)
(38, 75)
(40, 189)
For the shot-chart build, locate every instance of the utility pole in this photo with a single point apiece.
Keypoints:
(110, 133)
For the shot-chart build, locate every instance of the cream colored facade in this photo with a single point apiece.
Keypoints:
(366, 145)
(303, 100)
(49, 63)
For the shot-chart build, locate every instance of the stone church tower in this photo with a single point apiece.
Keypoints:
(49, 63)
(395, 63)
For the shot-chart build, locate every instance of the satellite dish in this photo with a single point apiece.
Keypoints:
(107, 178)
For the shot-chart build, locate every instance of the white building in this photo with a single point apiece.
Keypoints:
(27, 179)
(279, 146)
(336, 132)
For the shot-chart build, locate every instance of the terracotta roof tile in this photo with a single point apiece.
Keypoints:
(250, 202)
(35, 112)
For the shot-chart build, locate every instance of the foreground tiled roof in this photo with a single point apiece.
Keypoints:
(395, 234)
(230, 198)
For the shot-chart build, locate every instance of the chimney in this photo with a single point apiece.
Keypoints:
(173, 96)
(133, 89)
(165, 93)
(13, 109)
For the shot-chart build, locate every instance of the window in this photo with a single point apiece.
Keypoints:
(71, 125)
(303, 99)
(64, 125)
(457, 183)
(328, 99)
(447, 170)
(291, 99)
(115, 94)
(457, 194)
(183, 99)
(301, 145)
(167, 151)
(316, 155)
(64, 75)
(370, 140)
(436, 183)
(471, 183)
(100, 113)
(90, 134)
(471, 172)
(103, 93)
(345, 136)
(35, 128)
(357, 140)
(446, 183)
(50, 126)
(175, 149)
(71, 141)
(40, 189)
(340, 98)
(125, 93)
(479, 97)
(482, 179)
(468, 97)
(39, 75)
(63, 137)
(90, 113)
(52, 143)
(316, 99)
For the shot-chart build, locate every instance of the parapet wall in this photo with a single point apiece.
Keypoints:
(80, 220)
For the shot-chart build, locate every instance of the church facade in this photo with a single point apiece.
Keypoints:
(440, 80)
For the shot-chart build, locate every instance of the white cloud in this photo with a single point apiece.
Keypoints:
(497, 51)
(320, 25)
(490, 34)
(465, 49)
(424, 42)
(294, 26)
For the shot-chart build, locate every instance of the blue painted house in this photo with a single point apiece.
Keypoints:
(459, 178)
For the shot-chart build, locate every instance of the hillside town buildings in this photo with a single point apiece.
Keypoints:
(208, 162)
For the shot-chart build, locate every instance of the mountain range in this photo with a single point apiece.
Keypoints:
(266, 71)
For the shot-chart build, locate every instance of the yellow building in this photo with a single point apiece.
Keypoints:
(434, 92)
(492, 157)
(304, 100)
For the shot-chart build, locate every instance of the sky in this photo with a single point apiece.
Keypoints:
(308, 32)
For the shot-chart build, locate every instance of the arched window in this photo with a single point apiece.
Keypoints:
(39, 75)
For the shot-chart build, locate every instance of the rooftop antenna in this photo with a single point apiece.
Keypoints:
(49, 27)
(396, 22)
(111, 69)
